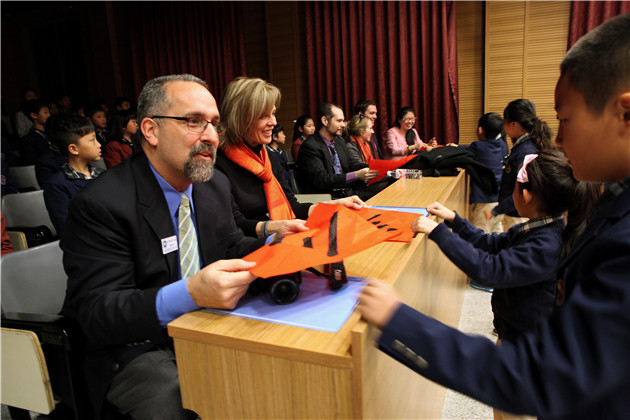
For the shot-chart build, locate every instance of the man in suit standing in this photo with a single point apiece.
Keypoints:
(145, 244)
(323, 161)
(367, 108)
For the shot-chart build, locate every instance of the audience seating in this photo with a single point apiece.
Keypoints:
(24, 178)
(313, 198)
(25, 381)
(293, 181)
(33, 290)
(289, 156)
(33, 280)
(18, 240)
(26, 209)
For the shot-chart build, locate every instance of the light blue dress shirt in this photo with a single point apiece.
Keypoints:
(174, 299)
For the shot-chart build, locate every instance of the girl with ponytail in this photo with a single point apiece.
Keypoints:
(520, 263)
(529, 135)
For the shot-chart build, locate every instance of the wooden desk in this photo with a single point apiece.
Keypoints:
(232, 367)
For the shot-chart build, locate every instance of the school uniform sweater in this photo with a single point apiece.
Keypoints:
(518, 265)
(490, 152)
(59, 190)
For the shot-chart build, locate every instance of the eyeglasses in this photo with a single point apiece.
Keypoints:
(194, 124)
(408, 120)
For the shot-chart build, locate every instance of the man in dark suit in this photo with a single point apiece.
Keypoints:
(368, 108)
(578, 366)
(324, 163)
(134, 244)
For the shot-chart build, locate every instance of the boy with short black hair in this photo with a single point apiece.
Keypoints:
(98, 117)
(121, 104)
(577, 366)
(35, 143)
(490, 148)
(75, 137)
(277, 139)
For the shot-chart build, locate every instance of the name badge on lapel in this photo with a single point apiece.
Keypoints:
(169, 244)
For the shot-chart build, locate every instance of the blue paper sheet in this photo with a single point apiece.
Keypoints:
(417, 210)
(317, 307)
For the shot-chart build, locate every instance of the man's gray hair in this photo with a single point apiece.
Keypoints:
(153, 99)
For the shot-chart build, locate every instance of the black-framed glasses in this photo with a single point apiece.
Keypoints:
(408, 120)
(194, 124)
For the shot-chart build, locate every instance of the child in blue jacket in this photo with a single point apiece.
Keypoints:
(518, 264)
(530, 134)
(489, 149)
(75, 136)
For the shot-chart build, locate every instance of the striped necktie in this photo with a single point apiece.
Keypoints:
(188, 248)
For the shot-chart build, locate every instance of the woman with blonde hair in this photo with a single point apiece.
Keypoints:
(263, 200)
(357, 134)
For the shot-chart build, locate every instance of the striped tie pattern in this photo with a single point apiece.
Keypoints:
(188, 248)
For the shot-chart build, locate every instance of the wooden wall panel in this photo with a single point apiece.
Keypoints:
(525, 42)
(470, 61)
(547, 31)
(504, 54)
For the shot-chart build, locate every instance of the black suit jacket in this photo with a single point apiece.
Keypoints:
(315, 164)
(115, 264)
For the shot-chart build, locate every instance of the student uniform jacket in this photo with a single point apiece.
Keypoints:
(518, 265)
(33, 145)
(58, 192)
(508, 179)
(490, 152)
(113, 256)
(577, 368)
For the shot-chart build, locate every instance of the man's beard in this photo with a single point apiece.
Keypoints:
(197, 169)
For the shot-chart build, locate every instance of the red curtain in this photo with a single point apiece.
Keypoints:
(395, 53)
(201, 38)
(586, 15)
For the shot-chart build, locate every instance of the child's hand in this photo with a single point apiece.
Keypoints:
(488, 214)
(423, 225)
(378, 303)
(441, 211)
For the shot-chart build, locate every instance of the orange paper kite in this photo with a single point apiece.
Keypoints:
(335, 232)
(388, 218)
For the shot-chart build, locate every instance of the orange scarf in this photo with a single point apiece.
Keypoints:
(364, 148)
(277, 203)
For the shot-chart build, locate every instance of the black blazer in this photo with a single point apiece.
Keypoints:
(250, 202)
(113, 258)
(316, 168)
